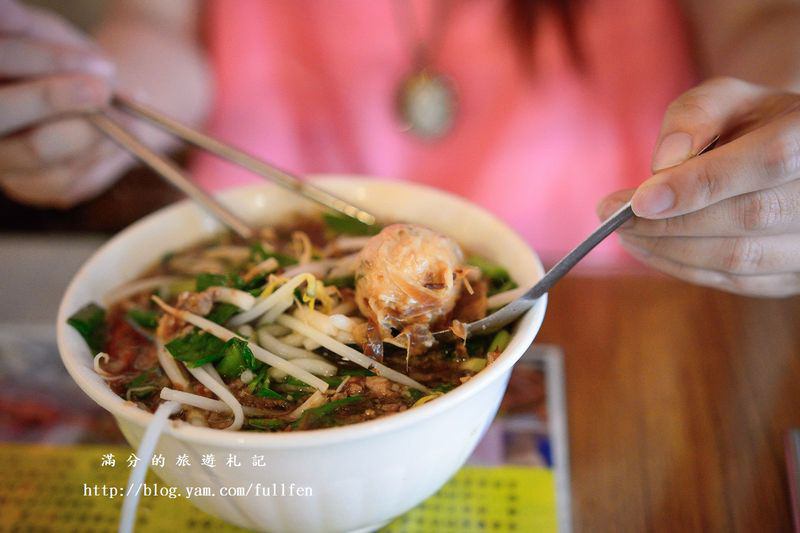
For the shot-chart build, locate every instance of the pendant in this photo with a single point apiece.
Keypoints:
(426, 104)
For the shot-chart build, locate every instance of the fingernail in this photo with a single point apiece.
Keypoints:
(652, 199)
(88, 63)
(673, 150)
(100, 67)
(61, 139)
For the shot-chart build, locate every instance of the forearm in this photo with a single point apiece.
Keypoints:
(766, 51)
(754, 41)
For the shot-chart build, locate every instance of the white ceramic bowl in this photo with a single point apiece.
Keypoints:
(361, 476)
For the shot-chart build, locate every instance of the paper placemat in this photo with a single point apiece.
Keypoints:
(42, 489)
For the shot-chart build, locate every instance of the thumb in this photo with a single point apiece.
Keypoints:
(698, 115)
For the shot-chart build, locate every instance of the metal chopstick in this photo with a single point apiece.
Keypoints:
(169, 171)
(236, 156)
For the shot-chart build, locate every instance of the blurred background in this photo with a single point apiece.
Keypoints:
(679, 397)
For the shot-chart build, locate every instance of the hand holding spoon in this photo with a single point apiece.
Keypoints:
(516, 308)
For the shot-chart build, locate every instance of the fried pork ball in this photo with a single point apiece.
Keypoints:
(406, 277)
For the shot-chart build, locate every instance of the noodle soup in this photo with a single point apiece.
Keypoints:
(318, 323)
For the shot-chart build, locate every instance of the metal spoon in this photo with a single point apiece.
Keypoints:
(515, 309)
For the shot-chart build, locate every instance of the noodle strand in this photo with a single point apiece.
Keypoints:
(145, 454)
(260, 353)
(349, 353)
(203, 375)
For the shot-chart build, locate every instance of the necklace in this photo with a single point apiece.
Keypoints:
(426, 99)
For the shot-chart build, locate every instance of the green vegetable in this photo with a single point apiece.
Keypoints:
(90, 322)
(259, 254)
(255, 286)
(233, 279)
(500, 341)
(505, 286)
(258, 380)
(222, 312)
(197, 348)
(480, 345)
(232, 363)
(206, 280)
(230, 366)
(488, 268)
(212, 358)
(498, 277)
(356, 372)
(322, 416)
(260, 386)
(476, 345)
(144, 378)
(444, 387)
(144, 318)
(146, 383)
(344, 281)
(250, 360)
(473, 364)
(182, 285)
(330, 407)
(266, 424)
(237, 358)
(291, 380)
(349, 226)
(292, 384)
(333, 381)
(266, 392)
(415, 395)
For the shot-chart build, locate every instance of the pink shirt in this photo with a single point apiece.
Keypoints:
(310, 86)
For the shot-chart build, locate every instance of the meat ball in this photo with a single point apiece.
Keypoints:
(406, 276)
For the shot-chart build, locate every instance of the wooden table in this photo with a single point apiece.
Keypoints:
(678, 400)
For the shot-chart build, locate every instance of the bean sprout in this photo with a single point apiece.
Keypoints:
(266, 266)
(203, 375)
(502, 298)
(260, 353)
(241, 299)
(284, 350)
(349, 353)
(237, 254)
(171, 368)
(281, 294)
(315, 366)
(315, 400)
(145, 453)
(207, 404)
(104, 357)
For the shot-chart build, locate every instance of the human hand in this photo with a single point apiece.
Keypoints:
(729, 218)
(49, 74)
